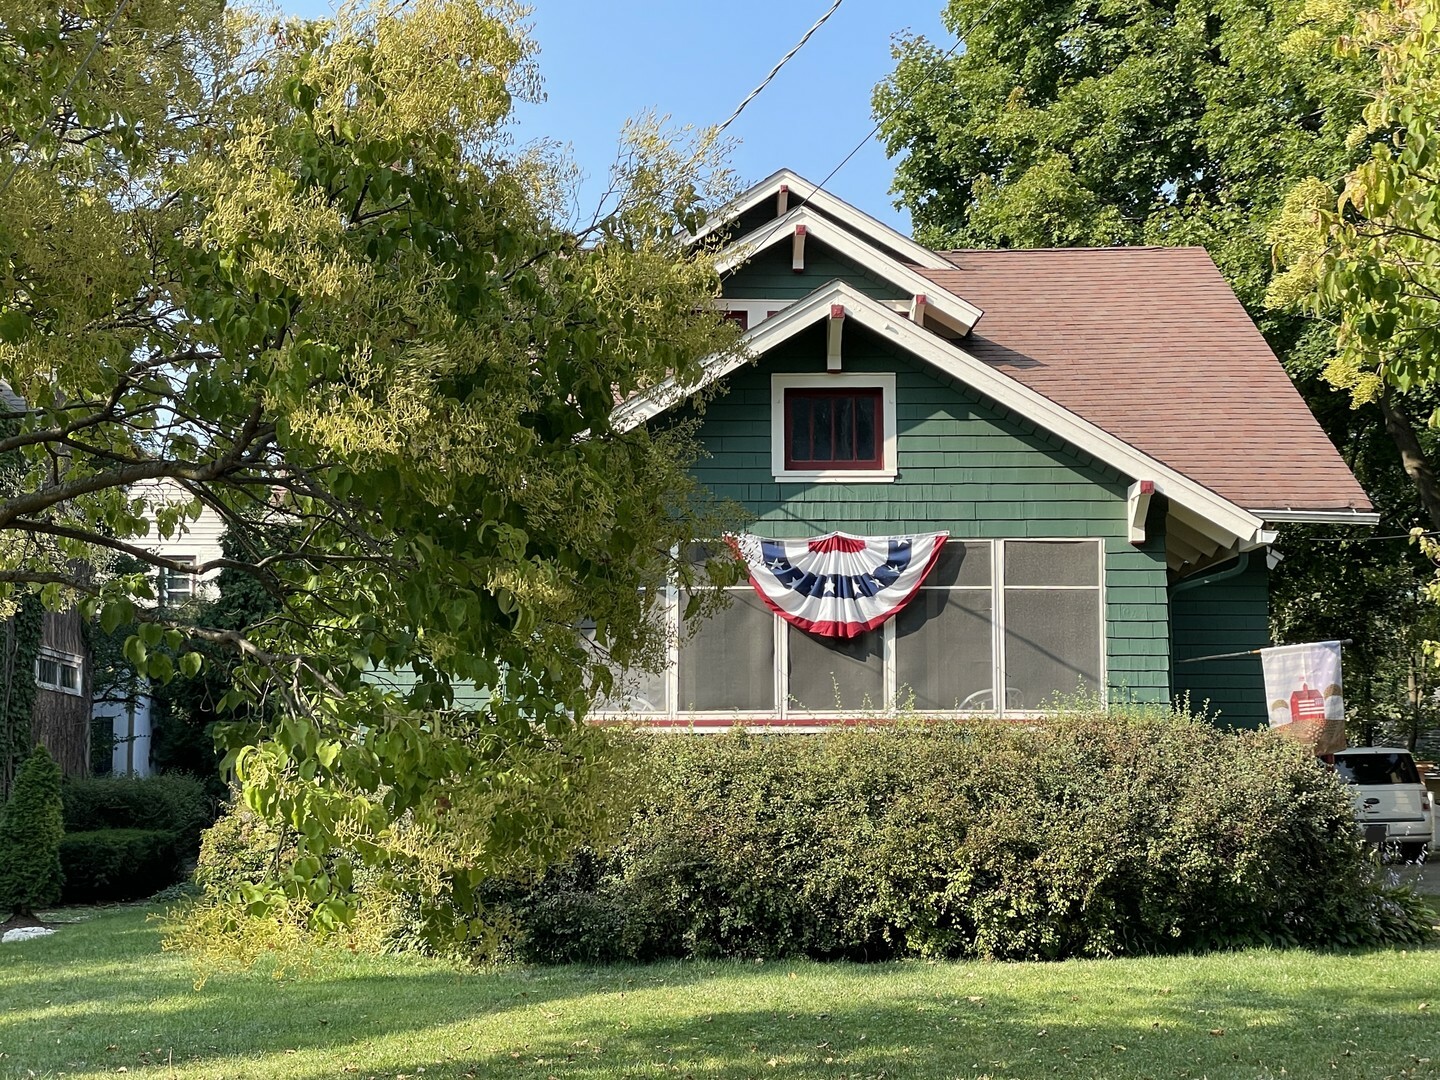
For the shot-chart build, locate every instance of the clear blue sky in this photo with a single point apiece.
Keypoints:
(605, 61)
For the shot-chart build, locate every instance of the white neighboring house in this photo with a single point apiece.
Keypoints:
(199, 544)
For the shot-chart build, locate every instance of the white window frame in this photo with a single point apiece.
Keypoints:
(167, 576)
(64, 659)
(882, 381)
(789, 715)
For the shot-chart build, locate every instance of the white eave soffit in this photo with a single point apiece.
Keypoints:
(960, 313)
(1217, 512)
(803, 192)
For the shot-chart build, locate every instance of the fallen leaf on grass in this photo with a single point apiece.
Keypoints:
(1217, 1031)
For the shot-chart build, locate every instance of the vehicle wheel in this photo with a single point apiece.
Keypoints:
(1413, 852)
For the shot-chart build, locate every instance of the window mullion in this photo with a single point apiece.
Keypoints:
(782, 667)
(887, 653)
(997, 605)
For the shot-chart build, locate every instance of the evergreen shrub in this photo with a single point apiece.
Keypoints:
(31, 827)
(1087, 835)
(117, 864)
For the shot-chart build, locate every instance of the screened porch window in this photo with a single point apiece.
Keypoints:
(1023, 615)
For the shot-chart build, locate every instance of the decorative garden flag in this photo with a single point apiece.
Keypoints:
(838, 585)
(1302, 684)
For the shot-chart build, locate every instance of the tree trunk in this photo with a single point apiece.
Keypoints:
(1412, 456)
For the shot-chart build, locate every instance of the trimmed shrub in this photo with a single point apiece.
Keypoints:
(31, 826)
(1087, 835)
(117, 864)
(130, 836)
(172, 802)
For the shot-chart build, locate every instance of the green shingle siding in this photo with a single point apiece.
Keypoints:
(1227, 615)
(965, 465)
(768, 276)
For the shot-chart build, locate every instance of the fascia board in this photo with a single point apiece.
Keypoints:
(942, 301)
(829, 204)
(759, 339)
(955, 362)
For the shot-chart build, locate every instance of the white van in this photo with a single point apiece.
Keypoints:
(1386, 789)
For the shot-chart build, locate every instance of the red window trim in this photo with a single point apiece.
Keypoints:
(873, 393)
(740, 316)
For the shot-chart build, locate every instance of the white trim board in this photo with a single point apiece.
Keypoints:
(803, 192)
(889, 455)
(941, 304)
(951, 360)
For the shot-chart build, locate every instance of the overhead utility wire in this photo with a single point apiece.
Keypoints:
(959, 40)
(65, 94)
(776, 69)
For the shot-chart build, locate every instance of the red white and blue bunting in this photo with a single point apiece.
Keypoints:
(839, 585)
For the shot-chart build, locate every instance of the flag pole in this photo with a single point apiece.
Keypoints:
(1247, 652)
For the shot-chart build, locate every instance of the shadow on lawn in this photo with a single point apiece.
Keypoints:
(701, 1020)
(919, 1035)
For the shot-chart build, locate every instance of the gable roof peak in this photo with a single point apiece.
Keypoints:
(804, 193)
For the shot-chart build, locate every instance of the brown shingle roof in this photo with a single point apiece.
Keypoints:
(1152, 345)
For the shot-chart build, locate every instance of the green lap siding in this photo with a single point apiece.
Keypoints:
(1225, 614)
(966, 466)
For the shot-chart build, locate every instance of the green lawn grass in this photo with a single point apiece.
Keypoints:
(99, 998)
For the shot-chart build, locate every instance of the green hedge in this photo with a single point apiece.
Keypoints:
(174, 802)
(1085, 836)
(130, 836)
(117, 864)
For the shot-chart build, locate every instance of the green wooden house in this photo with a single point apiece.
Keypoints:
(1104, 434)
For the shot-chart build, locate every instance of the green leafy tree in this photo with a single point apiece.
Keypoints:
(298, 273)
(1064, 123)
(1368, 260)
(31, 828)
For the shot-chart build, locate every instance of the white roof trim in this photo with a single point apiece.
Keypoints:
(948, 358)
(1319, 517)
(808, 194)
(941, 303)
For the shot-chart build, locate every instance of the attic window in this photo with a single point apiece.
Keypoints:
(833, 427)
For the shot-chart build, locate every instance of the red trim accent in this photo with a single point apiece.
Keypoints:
(1147, 487)
(837, 311)
(795, 393)
(837, 542)
(848, 631)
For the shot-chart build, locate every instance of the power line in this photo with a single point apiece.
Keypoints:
(776, 69)
(65, 94)
(905, 100)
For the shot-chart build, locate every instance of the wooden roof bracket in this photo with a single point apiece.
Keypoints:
(782, 200)
(917, 309)
(1137, 508)
(797, 256)
(832, 337)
